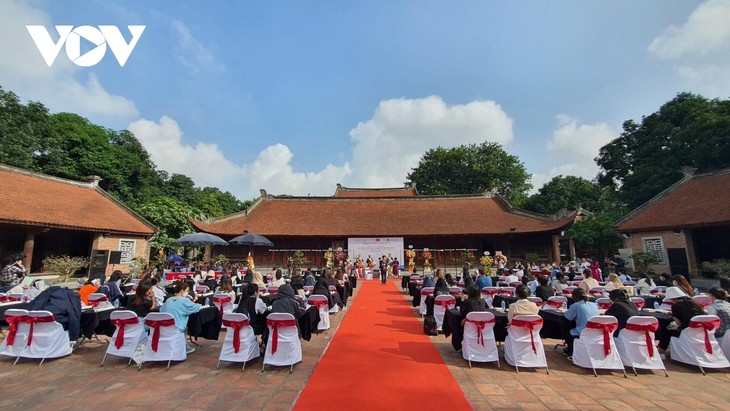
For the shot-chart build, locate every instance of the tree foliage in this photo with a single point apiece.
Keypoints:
(689, 130)
(569, 193)
(64, 266)
(471, 169)
(595, 234)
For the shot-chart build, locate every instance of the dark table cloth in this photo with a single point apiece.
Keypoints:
(205, 323)
(452, 326)
(97, 322)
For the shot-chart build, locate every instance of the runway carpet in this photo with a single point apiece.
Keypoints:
(379, 359)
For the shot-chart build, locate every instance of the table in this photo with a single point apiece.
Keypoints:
(452, 326)
(97, 322)
(205, 323)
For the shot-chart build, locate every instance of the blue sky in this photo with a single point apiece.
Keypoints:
(294, 96)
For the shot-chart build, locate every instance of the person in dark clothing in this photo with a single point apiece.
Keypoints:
(622, 308)
(297, 282)
(287, 303)
(253, 307)
(210, 282)
(468, 280)
(441, 287)
(663, 280)
(248, 277)
(143, 301)
(309, 279)
(543, 290)
(321, 288)
(683, 309)
(332, 281)
(383, 267)
(428, 281)
(473, 302)
(112, 289)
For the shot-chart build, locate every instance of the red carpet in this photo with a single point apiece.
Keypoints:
(379, 359)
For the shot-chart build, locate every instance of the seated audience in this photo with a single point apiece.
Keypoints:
(622, 308)
(588, 282)
(483, 280)
(253, 307)
(159, 291)
(321, 288)
(278, 278)
(645, 284)
(473, 302)
(721, 308)
(143, 302)
(543, 290)
(89, 287)
(560, 284)
(683, 309)
(663, 280)
(581, 310)
(180, 307)
(681, 282)
(522, 306)
(226, 287)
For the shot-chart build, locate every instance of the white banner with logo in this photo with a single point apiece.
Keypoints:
(375, 247)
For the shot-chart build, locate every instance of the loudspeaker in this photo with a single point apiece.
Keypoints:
(115, 257)
(99, 258)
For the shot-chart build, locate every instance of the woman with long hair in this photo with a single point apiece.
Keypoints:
(180, 307)
(143, 302)
(681, 282)
(721, 308)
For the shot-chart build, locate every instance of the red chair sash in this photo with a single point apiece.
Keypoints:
(480, 328)
(222, 301)
(707, 326)
(646, 328)
(14, 298)
(275, 331)
(120, 323)
(319, 303)
(95, 303)
(530, 325)
(567, 291)
(604, 306)
(490, 292)
(13, 321)
(236, 325)
(639, 304)
(426, 292)
(607, 330)
(445, 303)
(3, 298)
(155, 325)
(274, 291)
(554, 304)
(33, 320)
(506, 292)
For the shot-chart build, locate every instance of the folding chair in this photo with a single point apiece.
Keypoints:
(223, 302)
(322, 304)
(272, 289)
(604, 303)
(166, 342)
(283, 346)
(638, 302)
(488, 294)
(455, 291)
(515, 284)
(333, 290)
(425, 292)
(724, 342)
(697, 345)
(46, 337)
(440, 304)
(14, 297)
(240, 344)
(201, 289)
(509, 291)
(598, 292)
(658, 289)
(568, 291)
(703, 300)
(308, 289)
(595, 348)
(523, 345)
(17, 338)
(479, 344)
(3, 298)
(128, 336)
(556, 301)
(635, 344)
(536, 300)
(98, 299)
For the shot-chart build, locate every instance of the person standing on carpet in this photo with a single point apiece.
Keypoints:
(383, 266)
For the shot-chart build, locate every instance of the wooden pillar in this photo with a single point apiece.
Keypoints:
(28, 248)
(207, 256)
(571, 245)
(556, 248)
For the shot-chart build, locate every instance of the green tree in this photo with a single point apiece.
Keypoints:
(567, 193)
(171, 218)
(25, 131)
(471, 169)
(689, 130)
(595, 235)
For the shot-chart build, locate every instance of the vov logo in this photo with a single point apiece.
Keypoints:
(71, 38)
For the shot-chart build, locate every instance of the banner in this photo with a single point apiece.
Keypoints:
(375, 247)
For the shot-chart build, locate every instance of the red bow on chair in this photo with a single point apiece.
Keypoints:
(95, 303)
(236, 325)
(480, 329)
(275, 324)
(156, 324)
(445, 303)
(222, 301)
(607, 330)
(555, 304)
(708, 326)
(32, 321)
(319, 303)
(646, 328)
(530, 325)
(120, 323)
(13, 321)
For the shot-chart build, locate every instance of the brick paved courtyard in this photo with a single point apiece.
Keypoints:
(77, 382)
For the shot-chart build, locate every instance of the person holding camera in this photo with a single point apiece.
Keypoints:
(14, 272)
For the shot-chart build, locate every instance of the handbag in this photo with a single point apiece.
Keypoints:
(429, 325)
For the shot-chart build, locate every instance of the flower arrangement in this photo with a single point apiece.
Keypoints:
(500, 258)
(250, 262)
(370, 262)
(329, 256)
(486, 261)
(426, 260)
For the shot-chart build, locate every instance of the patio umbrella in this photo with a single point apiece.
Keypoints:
(251, 239)
(175, 259)
(196, 239)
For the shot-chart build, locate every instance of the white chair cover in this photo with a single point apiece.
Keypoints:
(224, 303)
(171, 344)
(597, 291)
(14, 296)
(568, 290)
(697, 345)
(133, 336)
(16, 319)
(703, 300)
(455, 291)
(479, 345)
(46, 337)
(536, 300)
(724, 342)
(425, 292)
(507, 291)
(638, 302)
(590, 351)
(440, 305)
(603, 303)
(248, 347)
(322, 304)
(636, 346)
(201, 289)
(488, 294)
(523, 348)
(556, 301)
(288, 346)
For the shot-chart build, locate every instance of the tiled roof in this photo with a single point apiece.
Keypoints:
(36, 199)
(374, 192)
(421, 215)
(694, 201)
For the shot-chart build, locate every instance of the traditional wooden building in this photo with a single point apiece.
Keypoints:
(446, 225)
(683, 225)
(43, 216)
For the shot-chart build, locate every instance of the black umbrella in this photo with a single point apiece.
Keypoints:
(251, 240)
(196, 239)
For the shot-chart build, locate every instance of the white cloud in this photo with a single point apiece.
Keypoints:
(207, 165)
(709, 80)
(192, 52)
(707, 30)
(389, 144)
(573, 148)
(23, 71)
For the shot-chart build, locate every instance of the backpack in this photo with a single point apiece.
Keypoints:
(429, 325)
